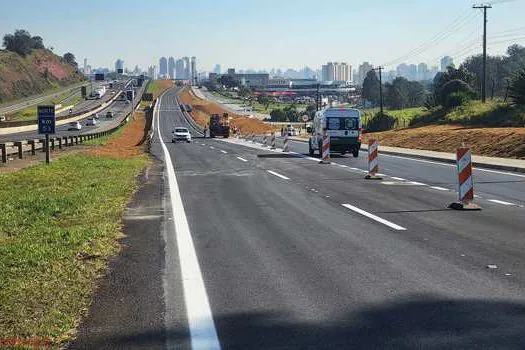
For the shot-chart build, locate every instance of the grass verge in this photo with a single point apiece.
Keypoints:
(58, 225)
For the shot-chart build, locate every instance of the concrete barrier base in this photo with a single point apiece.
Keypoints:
(464, 206)
(373, 177)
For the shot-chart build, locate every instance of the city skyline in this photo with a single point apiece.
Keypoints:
(224, 43)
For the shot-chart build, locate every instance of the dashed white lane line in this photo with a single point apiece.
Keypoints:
(278, 175)
(211, 147)
(224, 151)
(397, 178)
(242, 159)
(439, 188)
(415, 183)
(500, 202)
(374, 217)
(203, 144)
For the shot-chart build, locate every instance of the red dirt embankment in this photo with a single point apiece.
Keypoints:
(202, 109)
(493, 142)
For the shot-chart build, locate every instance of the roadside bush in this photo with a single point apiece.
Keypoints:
(451, 87)
(457, 99)
(380, 122)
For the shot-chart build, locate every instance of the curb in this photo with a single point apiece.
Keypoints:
(442, 160)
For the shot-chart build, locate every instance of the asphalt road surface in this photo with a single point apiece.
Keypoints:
(119, 108)
(264, 250)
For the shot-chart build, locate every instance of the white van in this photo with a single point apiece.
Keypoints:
(343, 126)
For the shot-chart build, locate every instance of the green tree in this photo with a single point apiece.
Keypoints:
(371, 87)
(228, 81)
(517, 89)
(310, 110)
(278, 115)
(70, 59)
(453, 80)
(264, 100)
(22, 42)
(497, 71)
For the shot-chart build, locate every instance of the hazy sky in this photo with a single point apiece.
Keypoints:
(264, 34)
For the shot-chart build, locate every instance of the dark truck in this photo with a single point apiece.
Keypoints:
(219, 125)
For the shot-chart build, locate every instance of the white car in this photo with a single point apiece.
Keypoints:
(181, 134)
(91, 122)
(74, 126)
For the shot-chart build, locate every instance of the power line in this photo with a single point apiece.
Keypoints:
(451, 28)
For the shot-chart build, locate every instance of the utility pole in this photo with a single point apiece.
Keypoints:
(317, 102)
(484, 76)
(380, 87)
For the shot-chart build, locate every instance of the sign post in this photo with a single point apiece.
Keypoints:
(46, 125)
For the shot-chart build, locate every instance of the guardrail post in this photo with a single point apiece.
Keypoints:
(19, 144)
(59, 139)
(43, 142)
(65, 140)
(76, 140)
(4, 152)
(80, 138)
(52, 140)
(71, 140)
(32, 144)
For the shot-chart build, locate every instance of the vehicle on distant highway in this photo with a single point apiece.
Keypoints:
(109, 114)
(91, 122)
(343, 126)
(74, 126)
(181, 134)
(219, 125)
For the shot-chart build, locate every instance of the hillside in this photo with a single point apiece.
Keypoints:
(33, 74)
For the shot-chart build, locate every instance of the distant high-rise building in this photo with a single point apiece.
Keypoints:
(163, 68)
(412, 72)
(193, 70)
(119, 65)
(335, 71)
(152, 72)
(85, 65)
(362, 71)
(217, 69)
(446, 62)
(179, 69)
(422, 72)
(187, 67)
(171, 68)
(402, 70)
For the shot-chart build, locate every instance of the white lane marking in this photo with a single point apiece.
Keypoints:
(397, 178)
(202, 328)
(439, 188)
(341, 165)
(374, 217)
(278, 175)
(203, 144)
(379, 174)
(211, 147)
(241, 159)
(223, 151)
(415, 183)
(355, 169)
(500, 202)
(453, 165)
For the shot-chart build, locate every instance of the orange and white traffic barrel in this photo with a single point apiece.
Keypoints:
(465, 181)
(286, 146)
(325, 148)
(272, 140)
(265, 141)
(373, 160)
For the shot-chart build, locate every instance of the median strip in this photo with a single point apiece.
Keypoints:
(374, 217)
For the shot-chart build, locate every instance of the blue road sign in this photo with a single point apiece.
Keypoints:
(46, 119)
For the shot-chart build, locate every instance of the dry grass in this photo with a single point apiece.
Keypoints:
(495, 142)
(202, 109)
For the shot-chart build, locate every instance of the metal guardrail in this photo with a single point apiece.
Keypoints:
(14, 124)
(18, 148)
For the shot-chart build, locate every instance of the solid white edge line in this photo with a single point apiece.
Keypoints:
(439, 188)
(278, 175)
(241, 159)
(224, 151)
(500, 202)
(200, 320)
(374, 217)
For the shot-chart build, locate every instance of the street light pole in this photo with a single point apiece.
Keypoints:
(484, 77)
